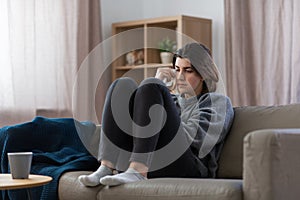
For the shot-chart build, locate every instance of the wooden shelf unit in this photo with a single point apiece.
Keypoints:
(146, 34)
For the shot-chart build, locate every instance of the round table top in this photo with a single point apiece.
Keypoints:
(8, 183)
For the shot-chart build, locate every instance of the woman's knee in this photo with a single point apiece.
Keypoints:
(151, 80)
(153, 84)
(124, 83)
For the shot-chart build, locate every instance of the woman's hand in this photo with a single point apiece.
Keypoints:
(168, 76)
(165, 74)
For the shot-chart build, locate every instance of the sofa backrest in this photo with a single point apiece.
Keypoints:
(250, 118)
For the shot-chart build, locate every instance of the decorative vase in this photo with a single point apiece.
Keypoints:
(166, 57)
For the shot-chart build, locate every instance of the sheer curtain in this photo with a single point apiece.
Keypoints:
(42, 46)
(262, 51)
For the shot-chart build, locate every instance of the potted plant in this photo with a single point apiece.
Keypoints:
(166, 47)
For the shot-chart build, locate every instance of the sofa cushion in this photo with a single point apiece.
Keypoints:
(70, 188)
(175, 188)
(247, 119)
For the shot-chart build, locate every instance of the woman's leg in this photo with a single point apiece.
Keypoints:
(157, 119)
(113, 136)
(117, 120)
(156, 122)
(186, 163)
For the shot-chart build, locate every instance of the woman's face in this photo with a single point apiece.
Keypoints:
(189, 82)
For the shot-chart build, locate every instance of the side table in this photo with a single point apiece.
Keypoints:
(8, 183)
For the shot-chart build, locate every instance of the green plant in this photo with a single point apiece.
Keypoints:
(167, 45)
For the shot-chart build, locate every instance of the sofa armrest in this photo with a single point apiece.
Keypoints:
(272, 164)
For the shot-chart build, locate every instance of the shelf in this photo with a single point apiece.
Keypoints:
(142, 36)
(149, 65)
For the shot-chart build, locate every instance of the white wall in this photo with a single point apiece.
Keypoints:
(124, 10)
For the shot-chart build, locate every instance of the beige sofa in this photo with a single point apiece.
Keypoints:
(260, 161)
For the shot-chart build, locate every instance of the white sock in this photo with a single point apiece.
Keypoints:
(130, 175)
(94, 178)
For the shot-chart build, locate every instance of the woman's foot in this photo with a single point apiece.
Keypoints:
(94, 178)
(129, 176)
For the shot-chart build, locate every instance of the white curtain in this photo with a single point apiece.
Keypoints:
(262, 51)
(42, 43)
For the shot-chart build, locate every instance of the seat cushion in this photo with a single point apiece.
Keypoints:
(175, 188)
(69, 187)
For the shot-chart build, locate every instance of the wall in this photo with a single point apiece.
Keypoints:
(124, 10)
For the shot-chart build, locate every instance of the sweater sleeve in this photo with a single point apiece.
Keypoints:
(206, 121)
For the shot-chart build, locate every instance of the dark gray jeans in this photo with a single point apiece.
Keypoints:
(133, 122)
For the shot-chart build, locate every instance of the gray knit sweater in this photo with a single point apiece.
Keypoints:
(206, 120)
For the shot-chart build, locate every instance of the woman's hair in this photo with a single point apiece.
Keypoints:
(201, 60)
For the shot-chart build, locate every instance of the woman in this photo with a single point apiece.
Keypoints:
(148, 132)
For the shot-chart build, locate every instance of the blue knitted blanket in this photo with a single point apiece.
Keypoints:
(56, 149)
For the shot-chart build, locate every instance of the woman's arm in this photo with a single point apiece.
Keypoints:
(206, 121)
